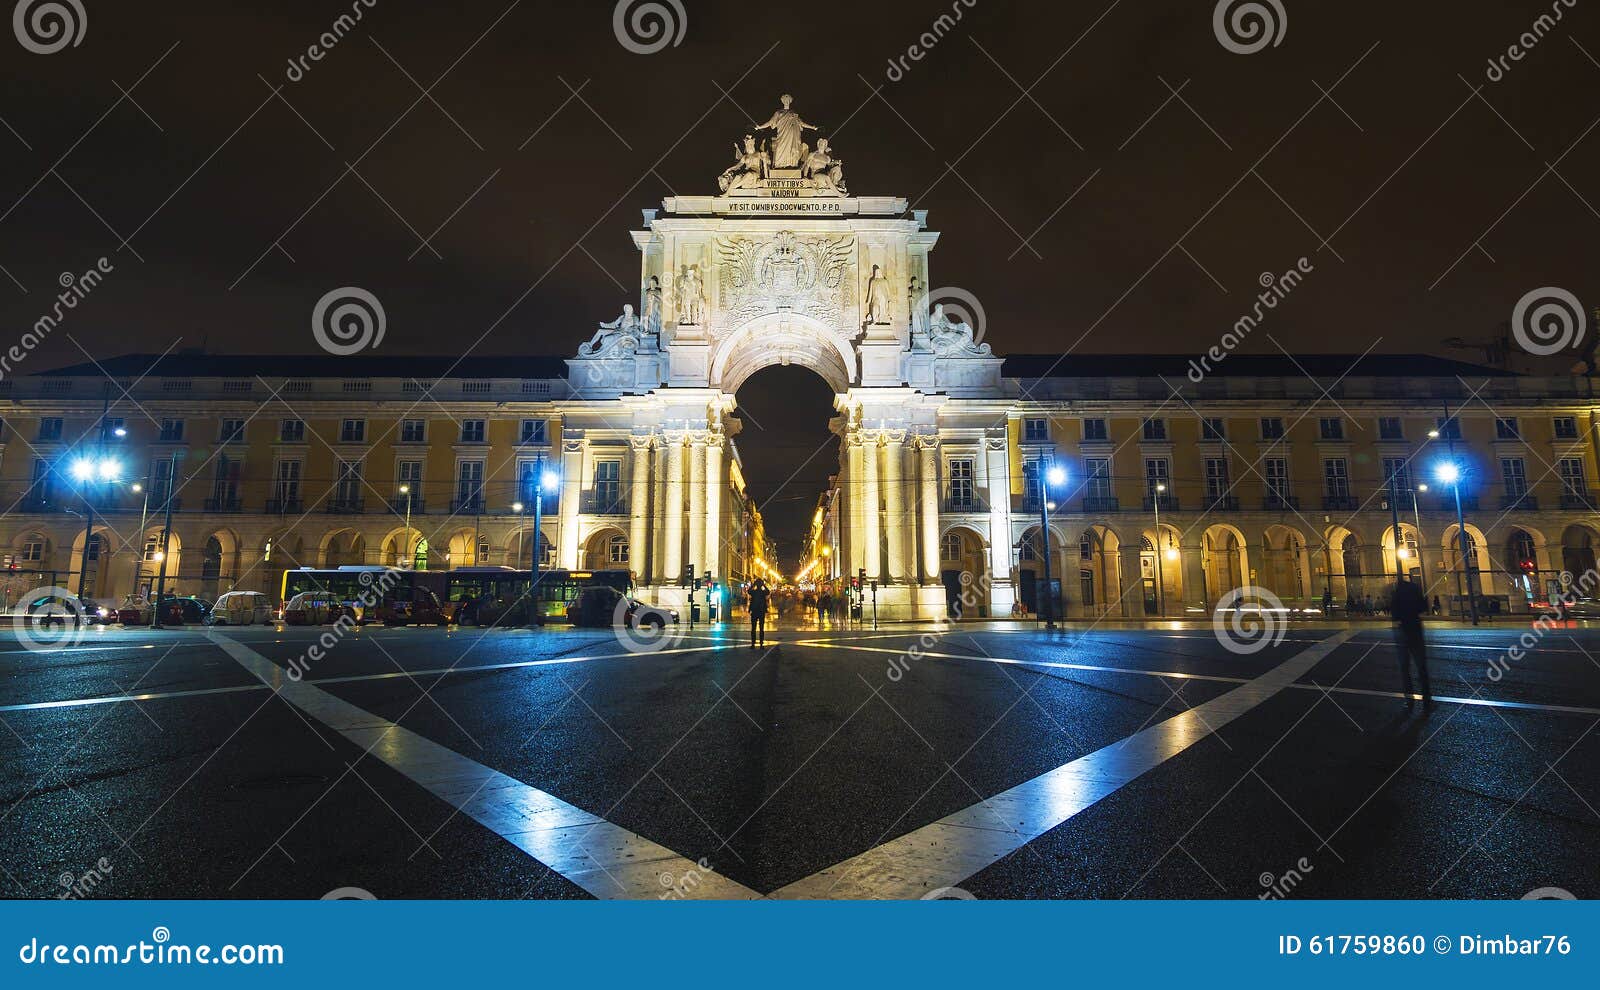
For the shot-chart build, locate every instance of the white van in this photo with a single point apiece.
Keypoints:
(241, 608)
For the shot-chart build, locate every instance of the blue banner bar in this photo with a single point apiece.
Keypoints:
(711, 944)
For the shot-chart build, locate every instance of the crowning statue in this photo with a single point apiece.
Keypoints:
(691, 297)
(788, 135)
(877, 301)
(621, 333)
(749, 167)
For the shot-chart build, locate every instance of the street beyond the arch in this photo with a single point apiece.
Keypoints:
(994, 760)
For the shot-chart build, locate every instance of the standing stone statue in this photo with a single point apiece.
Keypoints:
(691, 297)
(788, 135)
(652, 305)
(877, 297)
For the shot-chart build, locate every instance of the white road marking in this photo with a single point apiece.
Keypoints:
(958, 846)
(603, 858)
(1217, 678)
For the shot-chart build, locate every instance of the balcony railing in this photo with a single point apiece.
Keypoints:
(470, 506)
(284, 506)
(1222, 503)
(1526, 502)
(1447, 503)
(603, 503)
(1341, 503)
(970, 503)
(1101, 503)
(400, 505)
(1166, 503)
(344, 506)
(1281, 503)
(223, 505)
(42, 503)
(1577, 500)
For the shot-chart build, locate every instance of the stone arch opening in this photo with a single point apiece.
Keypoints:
(783, 339)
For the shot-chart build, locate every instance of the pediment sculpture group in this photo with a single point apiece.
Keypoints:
(754, 163)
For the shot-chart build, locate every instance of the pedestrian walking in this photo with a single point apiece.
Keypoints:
(1327, 600)
(1408, 605)
(759, 595)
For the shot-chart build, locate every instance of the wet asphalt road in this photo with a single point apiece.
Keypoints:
(771, 765)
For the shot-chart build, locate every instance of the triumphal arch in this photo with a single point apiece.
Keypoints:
(784, 265)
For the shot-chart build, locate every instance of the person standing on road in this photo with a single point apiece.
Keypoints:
(759, 595)
(1408, 605)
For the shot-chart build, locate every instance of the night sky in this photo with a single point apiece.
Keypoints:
(527, 195)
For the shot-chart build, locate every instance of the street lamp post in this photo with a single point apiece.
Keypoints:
(1416, 517)
(144, 515)
(166, 538)
(1450, 474)
(1053, 476)
(406, 491)
(86, 472)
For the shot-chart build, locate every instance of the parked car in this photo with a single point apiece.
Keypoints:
(241, 608)
(48, 610)
(312, 608)
(412, 607)
(183, 610)
(601, 607)
(134, 610)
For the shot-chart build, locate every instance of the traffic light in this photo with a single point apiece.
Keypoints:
(861, 578)
(687, 580)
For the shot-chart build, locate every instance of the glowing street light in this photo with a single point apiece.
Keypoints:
(1055, 476)
(1449, 473)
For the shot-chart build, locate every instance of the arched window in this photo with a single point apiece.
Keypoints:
(1027, 550)
(420, 559)
(1522, 551)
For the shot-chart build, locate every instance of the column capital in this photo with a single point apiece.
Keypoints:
(574, 446)
(641, 444)
(926, 441)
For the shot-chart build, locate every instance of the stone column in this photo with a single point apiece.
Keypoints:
(1132, 579)
(895, 506)
(871, 515)
(999, 478)
(571, 489)
(715, 449)
(854, 500)
(658, 512)
(1195, 591)
(929, 468)
(638, 510)
(672, 553)
(697, 503)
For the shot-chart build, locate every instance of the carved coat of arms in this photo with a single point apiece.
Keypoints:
(809, 275)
